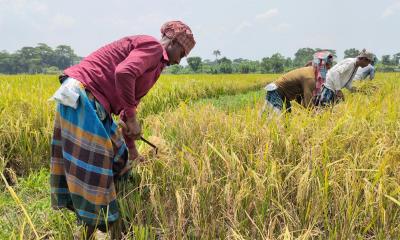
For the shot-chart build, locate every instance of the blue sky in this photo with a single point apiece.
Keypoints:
(248, 29)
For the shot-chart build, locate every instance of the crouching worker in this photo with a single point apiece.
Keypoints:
(89, 154)
(298, 84)
(341, 76)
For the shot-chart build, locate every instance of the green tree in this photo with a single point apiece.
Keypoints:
(239, 60)
(351, 53)
(5, 62)
(254, 66)
(225, 65)
(28, 60)
(65, 56)
(277, 63)
(194, 63)
(217, 53)
(244, 67)
(39, 59)
(46, 54)
(266, 65)
(396, 59)
(52, 70)
(288, 63)
(174, 69)
(386, 60)
(302, 56)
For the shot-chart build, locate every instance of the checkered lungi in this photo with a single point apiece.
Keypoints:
(275, 100)
(327, 97)
(87, 154)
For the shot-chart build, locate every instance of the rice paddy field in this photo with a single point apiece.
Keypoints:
(222, 172)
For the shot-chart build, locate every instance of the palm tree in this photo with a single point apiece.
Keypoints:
(217, 53)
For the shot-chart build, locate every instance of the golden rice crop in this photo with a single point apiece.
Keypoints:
(26, 116)
(224, 173)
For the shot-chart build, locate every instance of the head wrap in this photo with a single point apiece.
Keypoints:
(320, 61)
(323, 56)
(367, 55)
(180, 32)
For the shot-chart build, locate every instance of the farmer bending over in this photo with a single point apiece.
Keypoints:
(297, 84)
(341, 76)
(363, 73)
(88, 152)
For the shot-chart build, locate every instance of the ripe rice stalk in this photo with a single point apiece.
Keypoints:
(18, 201)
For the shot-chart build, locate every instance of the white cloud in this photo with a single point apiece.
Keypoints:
(242, 26)
(268, 14)
(392, 9)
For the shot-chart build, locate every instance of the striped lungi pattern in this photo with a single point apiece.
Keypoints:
(275, 100)
(327, 97)
(87, 154)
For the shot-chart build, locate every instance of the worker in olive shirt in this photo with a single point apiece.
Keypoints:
(297, 84)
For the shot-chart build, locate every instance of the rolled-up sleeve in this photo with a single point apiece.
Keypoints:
(143, 57)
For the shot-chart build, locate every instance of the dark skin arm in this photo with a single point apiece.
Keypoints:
(132, 128)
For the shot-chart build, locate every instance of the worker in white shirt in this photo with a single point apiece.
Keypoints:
(363, 73)
(341, 76)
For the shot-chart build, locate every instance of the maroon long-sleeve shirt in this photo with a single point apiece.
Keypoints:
(122, 72)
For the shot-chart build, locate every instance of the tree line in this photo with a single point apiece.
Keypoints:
(39, 59)
(44, 59)
(276, 63)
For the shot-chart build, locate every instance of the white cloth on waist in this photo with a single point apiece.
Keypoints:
(68, 93)
(271, 87)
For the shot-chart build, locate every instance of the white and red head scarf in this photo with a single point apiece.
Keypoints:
(180, 32)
